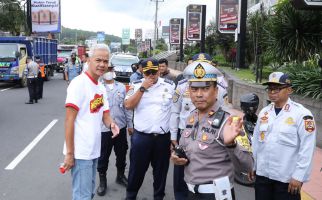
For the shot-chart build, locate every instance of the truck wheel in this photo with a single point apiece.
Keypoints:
(23, 81)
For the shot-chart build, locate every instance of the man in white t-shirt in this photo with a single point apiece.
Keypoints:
(86, 107)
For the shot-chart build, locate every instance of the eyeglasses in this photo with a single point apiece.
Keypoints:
(149, 72)
(275, 90)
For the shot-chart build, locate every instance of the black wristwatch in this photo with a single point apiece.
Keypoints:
(142, 89)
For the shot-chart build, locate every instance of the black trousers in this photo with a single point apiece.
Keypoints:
(32, 88)
(193, 196)
(268, 189)
(120, 148)
(179, 185)
(146, 149)
(40, 87)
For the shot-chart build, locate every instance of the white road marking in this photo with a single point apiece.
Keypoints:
(6, 89)
(28, 148)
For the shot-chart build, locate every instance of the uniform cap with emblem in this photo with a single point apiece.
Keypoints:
(278, 78)
(150, 64)
(202, 57)
(200, 74)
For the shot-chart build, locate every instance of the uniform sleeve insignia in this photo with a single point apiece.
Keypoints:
(289, 121)
(199, 71)
(168, 81)
(309, 125)
(138, 81)
(263, 119)
(176, 96)
(182, 81)
(131, 91)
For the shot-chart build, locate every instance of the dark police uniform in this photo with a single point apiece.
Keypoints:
(202, 140)
(150, 142)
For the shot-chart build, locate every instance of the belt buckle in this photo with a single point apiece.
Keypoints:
(155, 134)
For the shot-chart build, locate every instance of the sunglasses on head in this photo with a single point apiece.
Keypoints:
(149, 72)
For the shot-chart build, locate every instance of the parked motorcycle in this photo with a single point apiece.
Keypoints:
(249, 105)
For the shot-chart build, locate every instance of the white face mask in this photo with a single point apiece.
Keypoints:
(109, 76)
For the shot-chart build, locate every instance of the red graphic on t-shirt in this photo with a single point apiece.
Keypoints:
(96, 103)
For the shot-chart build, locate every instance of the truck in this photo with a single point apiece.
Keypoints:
(13, 55)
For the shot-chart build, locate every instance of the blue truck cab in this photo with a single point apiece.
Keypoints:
(14, 52)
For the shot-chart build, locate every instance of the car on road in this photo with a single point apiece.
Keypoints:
(122, 65)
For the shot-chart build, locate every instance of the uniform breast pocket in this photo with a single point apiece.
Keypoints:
(120, 100)
(166, 101)
(288, 136)
(205, 140)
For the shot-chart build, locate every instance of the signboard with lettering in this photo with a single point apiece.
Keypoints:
(227, 19)
(175, 31)
(194, 17)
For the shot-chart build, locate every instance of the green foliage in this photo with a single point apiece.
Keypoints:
(12, 17)
(305, 79)
(292, 34)
(161, 45)
(68, 36)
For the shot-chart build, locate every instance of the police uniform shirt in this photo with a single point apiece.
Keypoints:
(121, 116)
(182, 105)
(72, 70)
(283, 144)
(209, 157)
(32, 69)
(152, 113)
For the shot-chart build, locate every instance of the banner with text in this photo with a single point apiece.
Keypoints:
(175, 31)
(45, 16)
(227, 15)
(125, 36)
(193, 26)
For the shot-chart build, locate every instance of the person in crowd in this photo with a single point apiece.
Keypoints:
(31, 72)
(72, 70)
(164, 70)
(86, 107)
(151, 99)
(283, 143)
(208, 151)
(123, 118)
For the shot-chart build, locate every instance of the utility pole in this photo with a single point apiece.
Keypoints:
(156, 22)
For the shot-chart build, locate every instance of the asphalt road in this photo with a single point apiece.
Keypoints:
(31, 149)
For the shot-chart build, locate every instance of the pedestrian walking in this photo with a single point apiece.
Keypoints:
(31, 72)
(207, 148)
(40, 78)
(123, 118)
(86, 106)
(283, 144)
(151, 99)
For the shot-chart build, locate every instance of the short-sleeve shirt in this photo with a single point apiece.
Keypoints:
(89, 98)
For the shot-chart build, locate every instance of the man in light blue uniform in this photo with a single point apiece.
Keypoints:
(151, 99)
(283, 144)
(138, 74)
(115, 94)
(72, 70)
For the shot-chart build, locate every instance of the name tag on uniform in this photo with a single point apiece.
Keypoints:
(222, 188)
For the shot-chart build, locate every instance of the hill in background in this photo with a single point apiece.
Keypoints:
(71, 36)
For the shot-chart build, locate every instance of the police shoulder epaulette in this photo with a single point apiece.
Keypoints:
(168, 81)
(138, 81)
(182, 81)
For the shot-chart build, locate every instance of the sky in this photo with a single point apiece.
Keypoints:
(111, 16)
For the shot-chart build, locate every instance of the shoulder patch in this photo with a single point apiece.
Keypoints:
(138, 81)
(176, 96)
(168, 81)
(182, 81)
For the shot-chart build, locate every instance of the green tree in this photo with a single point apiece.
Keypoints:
(293, 35)
(12, 17)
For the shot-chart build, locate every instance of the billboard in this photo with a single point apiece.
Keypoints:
(227, 16)
(125, 36)
(165, 31)
(138, 35)
(45, 16)
(194, 23)
(175, 31)
(100, 36)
